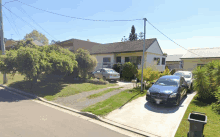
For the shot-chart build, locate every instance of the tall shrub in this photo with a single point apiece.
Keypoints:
(129, 70)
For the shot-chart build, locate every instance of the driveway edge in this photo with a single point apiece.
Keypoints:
(87, 114)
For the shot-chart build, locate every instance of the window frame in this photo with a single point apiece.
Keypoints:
(105, 62)
(163, 61)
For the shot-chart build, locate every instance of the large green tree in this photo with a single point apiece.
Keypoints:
(33, 61)
(133, 35)
(35, 35)
(86, 62)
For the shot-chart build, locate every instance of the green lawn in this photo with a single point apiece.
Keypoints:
(51, 88)
(114, 102)
(102, 93)
(212, 128)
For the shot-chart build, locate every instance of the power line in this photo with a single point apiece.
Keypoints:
(10, 23)
(10, 1)
(75, 17)
(14, 22)
(171, 39)
(20, 18)
(37, 23)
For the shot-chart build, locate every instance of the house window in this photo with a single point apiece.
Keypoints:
(139, 60)
(106, 60)
(158, 60)
(163, 61)
(127, 59)
(118, 59)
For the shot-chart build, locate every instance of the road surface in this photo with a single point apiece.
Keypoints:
(21, 117)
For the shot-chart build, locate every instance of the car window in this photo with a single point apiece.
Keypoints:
(181, 81)
(167, 82)
(111, 71)
(187, 75)
(178, 74)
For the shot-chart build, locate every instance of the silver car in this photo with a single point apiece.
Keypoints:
(106, 74)
(188, 77)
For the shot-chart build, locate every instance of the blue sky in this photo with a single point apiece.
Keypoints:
(192, 24)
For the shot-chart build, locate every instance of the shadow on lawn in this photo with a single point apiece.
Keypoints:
(48, 85)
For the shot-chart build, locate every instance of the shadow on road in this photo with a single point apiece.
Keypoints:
(163, 108)
(7, 96)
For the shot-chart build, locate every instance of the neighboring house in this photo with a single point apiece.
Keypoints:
(202, 57)
(9, 43)
(38, 43)
(174, 62)
(121, 52)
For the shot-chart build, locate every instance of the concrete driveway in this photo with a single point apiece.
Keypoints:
(156, 120)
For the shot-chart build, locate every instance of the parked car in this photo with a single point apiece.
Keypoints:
(188, 77)
(106, 74)
(167, 89)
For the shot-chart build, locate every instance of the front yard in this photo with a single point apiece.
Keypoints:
(52, 87)
(114, 102)
(211, 129)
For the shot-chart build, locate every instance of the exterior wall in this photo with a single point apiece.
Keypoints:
(190, 64)
(155, 48)
(100, 57)
(173, 64)
(151, 63)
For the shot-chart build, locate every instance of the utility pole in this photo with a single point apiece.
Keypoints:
(2, 40)
(143, 54)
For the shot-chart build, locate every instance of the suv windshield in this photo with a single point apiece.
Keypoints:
(187, 76)
(167, 82)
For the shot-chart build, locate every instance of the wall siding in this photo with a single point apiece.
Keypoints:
(155, 48)
(150, 62)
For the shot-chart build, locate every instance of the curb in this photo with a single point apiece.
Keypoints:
(87, 114)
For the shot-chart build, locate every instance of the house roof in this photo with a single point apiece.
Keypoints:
(118, 47)
(38, 43)
(174, 57)
(203, 53)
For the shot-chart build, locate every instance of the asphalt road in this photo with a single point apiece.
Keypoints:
(20, 117)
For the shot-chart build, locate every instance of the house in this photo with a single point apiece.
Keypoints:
(199, 57)
(121, 52)
(8, 43)
(36, 42)
(174, 62)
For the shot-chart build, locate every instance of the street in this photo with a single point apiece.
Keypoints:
(20, 117)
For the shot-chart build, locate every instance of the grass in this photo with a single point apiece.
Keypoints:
(102, 93)
(114, 102)
(52, 87)
(211, 129)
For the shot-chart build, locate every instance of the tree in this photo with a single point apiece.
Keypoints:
(35, 35)
(32, 61)
(133, 35)
(86, 62)
(24, 43)
(141, 36)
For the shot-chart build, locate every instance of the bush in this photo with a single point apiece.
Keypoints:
(96, 81)
(86, 62)
(129, 71)
(149, 74)
(117, 67)
(216, 107)
(166, 72)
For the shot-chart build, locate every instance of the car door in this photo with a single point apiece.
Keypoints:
(101, 73)
(97, 73)
(185, 89)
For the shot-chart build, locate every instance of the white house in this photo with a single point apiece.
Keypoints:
(121, 52)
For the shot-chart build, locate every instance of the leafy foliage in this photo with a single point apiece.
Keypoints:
(149, 74)
(133, 35)
(129, 70)
(35, 35)
(31, 60)
(86, 62)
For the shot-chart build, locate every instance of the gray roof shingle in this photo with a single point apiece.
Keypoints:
(174, 57)
(128, 46)
(203, 53)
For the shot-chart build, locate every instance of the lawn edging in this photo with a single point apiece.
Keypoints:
(87, 114)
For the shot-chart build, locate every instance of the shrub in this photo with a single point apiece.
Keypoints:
(117, 67)
(129, 71)
(216, 107)
(96, 81)
(149, 74)
(86, 62)
(166, 72)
